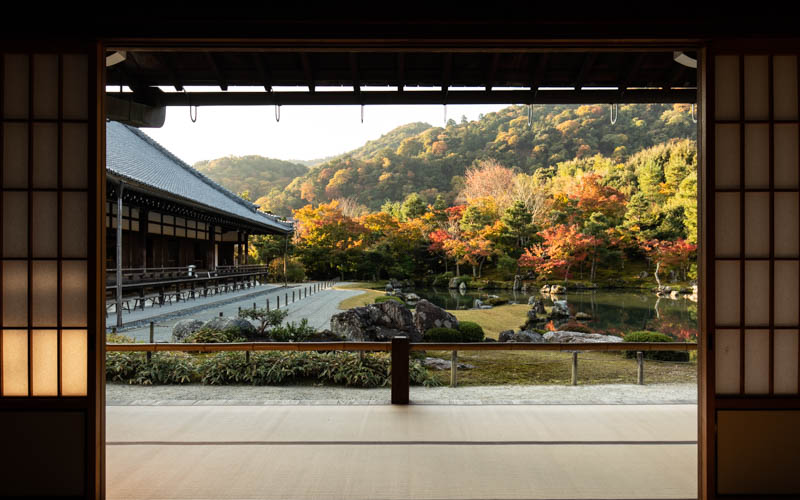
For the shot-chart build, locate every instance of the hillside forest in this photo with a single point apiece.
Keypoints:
(552, 192)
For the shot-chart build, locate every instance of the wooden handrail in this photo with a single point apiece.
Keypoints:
(387, 346)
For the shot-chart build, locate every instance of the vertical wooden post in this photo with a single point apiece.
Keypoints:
(285, 251)
(640, 367)
(119, 254)
(400, 374)
(454, 369)
(254, 306)
(575, 368)
(220, 314)
(247, 357)
(292, 296)
(268, 304)
(287, 298)
(279, 302)
(152, 340)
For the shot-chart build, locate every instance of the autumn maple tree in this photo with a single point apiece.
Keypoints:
(563, 247)
(666, 254)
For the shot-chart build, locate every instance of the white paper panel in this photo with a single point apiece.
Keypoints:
(45, 224)
(45, 86)
(15, 90)
(15, 224)
(756, 87)
(726, 152)
(73, 293)
(786, 353)
(726, 87)
(756, 293)
(727, 237)
(15, 155)
(756, 224)
(787, 222)
(45, 155)
(74, 362)
(756, 361)
(45, 293)
(727, 361)
(756, 155)
(787, 293)
(15, 293)
(15, 363)
(76, 90)
(44, 359)
(786, 156)
(74, 232)
(727, 293)
(785, 85)
(76, 155)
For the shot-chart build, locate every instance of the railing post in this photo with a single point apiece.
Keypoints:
(279, 302)
(575, 368)
(454, 369)
(220, 314)
(152, 340)
(247, 357)
(640, 367)
(254, 306)
(400, 375)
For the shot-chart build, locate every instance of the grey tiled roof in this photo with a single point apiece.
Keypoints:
(133, 155)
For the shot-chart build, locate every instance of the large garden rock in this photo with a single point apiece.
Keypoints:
(428, 315)
(557, 289)
(244, 327)
(373, 322)
(527, 336)
(505, 335)
(444, 364)
(462, 288)
(537, 305)
(454, 282)
(579, 338)
(560, 309)
(184, 328)
(583, 316)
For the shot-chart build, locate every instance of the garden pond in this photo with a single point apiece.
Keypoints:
(612, 311)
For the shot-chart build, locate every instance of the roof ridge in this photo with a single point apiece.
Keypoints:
(161, 149)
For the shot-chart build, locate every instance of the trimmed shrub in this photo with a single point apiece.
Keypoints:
(646, 336)
(387, 298)
(574, 326)
(118, 338)
(470, 331)
(292, 332)
(163, 368)
(295, 271)
(266, 319)
(209, 336)
(442, 335)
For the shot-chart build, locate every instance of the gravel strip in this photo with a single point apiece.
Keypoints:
(196, 394)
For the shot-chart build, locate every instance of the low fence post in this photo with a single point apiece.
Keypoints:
(292, 296)
(400, 374)
(454, 369)
(640, 367)
(267, 305)
(152, 340)
(220, 314)
(279, 302)
(287, 299)
(254, 306)
(575, 368)
(247, 357)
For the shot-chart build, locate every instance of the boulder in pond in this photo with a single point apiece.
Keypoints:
(505, 335)
(560, 309)
(184, 328)
(537, 305)
(527, 336)
(462, 288)
(428, 315)
(583, 316)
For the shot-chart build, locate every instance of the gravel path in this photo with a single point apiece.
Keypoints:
(195, 394)
(317, 308)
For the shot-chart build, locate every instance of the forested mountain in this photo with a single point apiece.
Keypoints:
(254, 174)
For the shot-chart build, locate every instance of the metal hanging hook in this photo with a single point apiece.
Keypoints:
(614, 113)
(277, 112)
(694, 112)
(362, 113)
(189, 99)
(530, 115)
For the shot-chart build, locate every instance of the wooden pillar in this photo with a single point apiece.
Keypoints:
(246, 247)
(400, 371)
(119, 254)
(211, 242)
(143, 217)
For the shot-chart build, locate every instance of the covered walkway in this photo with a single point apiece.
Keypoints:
(402, 452)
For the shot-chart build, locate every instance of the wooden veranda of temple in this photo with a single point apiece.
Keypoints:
(171, 232)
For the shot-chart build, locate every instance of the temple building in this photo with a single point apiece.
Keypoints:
(172, 215)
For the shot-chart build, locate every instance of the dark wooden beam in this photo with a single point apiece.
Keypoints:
(677, 75)
(212, 62)
(167, 61)
(263, 70)
(354, 73)
(447, 70)
(308, 70)
(429, 97)
(586, 66)
(539, 72)
(494, 61)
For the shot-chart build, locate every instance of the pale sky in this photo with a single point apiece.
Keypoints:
(303, 133)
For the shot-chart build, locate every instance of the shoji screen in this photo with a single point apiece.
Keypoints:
(753, 267)
(48, 247)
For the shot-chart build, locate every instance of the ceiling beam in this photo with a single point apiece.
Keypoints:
(630, 72)
(212, 62)
(539, 72)
(354, 73)
(401, 71)
(167, 61)
(677, 75)
(263, 71)
(308, 70)
(447, 70)
(426, 97)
